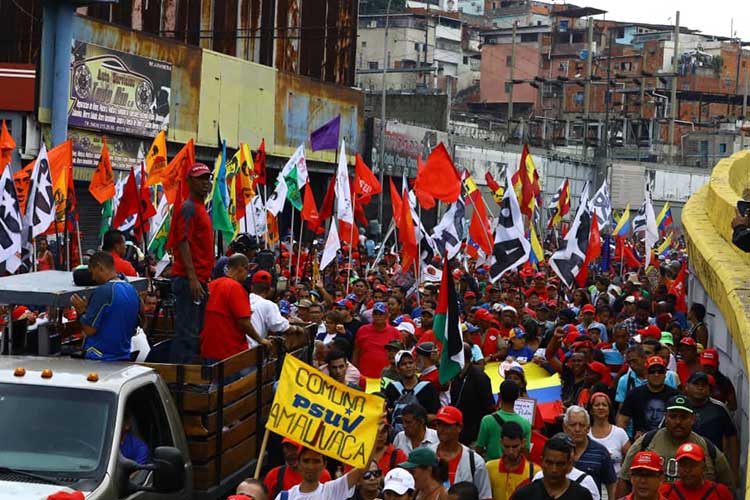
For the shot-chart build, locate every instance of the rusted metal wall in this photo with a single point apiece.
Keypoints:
(288, 35)
(20, 32)
(304, 104)
(186, 64)
(225, 27)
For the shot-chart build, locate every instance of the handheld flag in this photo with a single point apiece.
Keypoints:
(623, 223)
(497, 189)
(406, 232)
(511, 246)
(344, 211)
(663, 249)
(664, 218)
(327, 136)
(479, 228)
(11, 222)
(678, 290)
(40, 206)
(260, 165)
(446, 328)
(601, 206)
(365, 183)
(102, 186)
(560, 204)
(646, 221)
(530, 186)
(439, 177)
(173, 181)
(7, 145)
(568, 261)
(425, 199)
(395, 203)
(593, 251)
(309, 210)
(332, 247)
(129, 202)
(156, 159)
(326, 210)
(447, 235)
(537, 253)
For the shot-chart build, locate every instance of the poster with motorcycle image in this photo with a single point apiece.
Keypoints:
(115, 92)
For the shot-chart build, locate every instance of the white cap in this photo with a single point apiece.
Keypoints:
(630, 299)
(497, 307)
(407, 327)
(398, 481)
(511, 309)
(401, 354)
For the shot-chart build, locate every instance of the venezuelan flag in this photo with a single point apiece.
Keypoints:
(665, 217)
(537, 253)
(663, 249)
(623, 224)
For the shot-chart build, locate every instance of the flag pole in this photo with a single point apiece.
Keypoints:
(297, 274)
(291, 233)
(381, 250)
(264, 198)
(351, 250)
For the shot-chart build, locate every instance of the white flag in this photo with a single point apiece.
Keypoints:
(332, 246)
(297, 160)
(652, 231)
(40, 203)
(256, 213)
(568, 261)
(601, 205)
(448, 234)
(511, 247)
(344, 211)
(275, 202)
(11, 222)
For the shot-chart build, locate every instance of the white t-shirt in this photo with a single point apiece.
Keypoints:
(587, 482)
(403, 443)
(265, 318)
(338, 489)
(614, 442)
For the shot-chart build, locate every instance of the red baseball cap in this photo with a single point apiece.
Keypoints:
(571, 334)
(198, 170)
(483, 314)
(691, 451)
(470, 294)
(292, 442)
(588, 308)
(602, 370)
(582, 345)
(710, 357)
(649, 460)
(688, 341)
(262, 277)
(651, 331)
(450, 415)
(655, 361)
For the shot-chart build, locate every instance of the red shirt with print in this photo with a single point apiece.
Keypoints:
(193, 225)
(489, 344)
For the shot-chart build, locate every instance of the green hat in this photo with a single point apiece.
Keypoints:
(666, 338)
(421, 457)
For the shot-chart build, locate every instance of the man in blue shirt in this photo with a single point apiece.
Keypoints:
(131, 446)
(110, 316)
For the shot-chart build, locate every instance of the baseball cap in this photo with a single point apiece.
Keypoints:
(471, 328)
(398, 481)
(510, 309)
(483, 315)
(470, 295)
(428, 310)
(457, 273)
(239, 497)
(679, 402)
(450, 415)
(304, 304)
(292, 442)
(571, 334)
(583, 344)
(407, 327)
(567, 314)
(198, 170)
(698, 377)
(710, 357)
(262, 277)
(691, 451)
(394, 345)
(421, 457)
(667, 338)
(649, 460)
(602, 370)
(540, 276)
(381, 288)
(516, 333)
(352, 297)
(655, 361)
(344, 303)
(551, 285)
(688, 341)
(425, 348)
(401, 354)
(630, 299)
(651, 331)
(379, 307)
(588, 308)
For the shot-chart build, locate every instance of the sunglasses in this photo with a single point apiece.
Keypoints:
(657, 370)
(372, 474)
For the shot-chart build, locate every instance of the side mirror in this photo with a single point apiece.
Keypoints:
(169, 471)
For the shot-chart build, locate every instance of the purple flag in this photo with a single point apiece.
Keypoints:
(327, 136)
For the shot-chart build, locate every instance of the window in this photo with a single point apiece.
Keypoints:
(364, 43)
(626, 66)
(578, 98)
(466, 60)
(509, 61)
(373, 64)
(529, 37)
(722, 148)
(508, 87)
(416, 46)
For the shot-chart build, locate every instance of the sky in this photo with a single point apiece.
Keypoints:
(712, 17)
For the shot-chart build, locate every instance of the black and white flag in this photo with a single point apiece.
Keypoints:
(40, 203)
(601, 205)
(645, 221)
(511, 247)
(11, 221)
(568, 261)
(449, 233)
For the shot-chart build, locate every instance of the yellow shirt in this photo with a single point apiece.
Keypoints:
(505, 482)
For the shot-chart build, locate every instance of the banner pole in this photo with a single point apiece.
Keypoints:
(291, 237)
(263, 446)
(297, 274)
(351, 248)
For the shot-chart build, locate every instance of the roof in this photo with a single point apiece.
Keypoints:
(573, 11)
(69, 372)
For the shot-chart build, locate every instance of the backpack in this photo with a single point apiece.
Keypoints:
(406, 397)
(279, 482)
(649, 436)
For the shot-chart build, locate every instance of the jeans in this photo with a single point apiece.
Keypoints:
(188, 322)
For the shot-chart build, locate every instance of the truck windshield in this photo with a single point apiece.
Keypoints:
(56, 431)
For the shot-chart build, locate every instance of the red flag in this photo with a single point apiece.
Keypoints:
(240, 210)
(174, 178)
(479, 229)
(348, 233)
(677, 288)
(365, 183)
(147, 209)
(491, 182)
(129, 202)
(102, 186)
(439, 177)
(425, 199)
(406, 234)
(309, 210)
(629, 260)
(592, 252)
(260, 165)
(7, 145)
(326, 210)
(530, 187)
(395, 204)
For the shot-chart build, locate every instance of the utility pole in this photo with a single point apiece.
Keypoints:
(587, 90)
(744, 108)
(608, 95)
(426, 42)
(643, 103)
(673, 96)
(382, 115)
(512, 72)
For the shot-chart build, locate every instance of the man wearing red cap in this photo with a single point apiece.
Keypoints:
(693, 484)
(193, 263)
(285, 476)
(646, 475)
(266, 317)
(588, 312)
(722, 389)
(488, 335)
(646, 405)
(689, 362)
(370, 354)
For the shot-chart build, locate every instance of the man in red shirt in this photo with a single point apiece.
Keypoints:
(227, 319)
(692, 485)
(488, 335)
(114, 242)
(370, 355)
(193, 262)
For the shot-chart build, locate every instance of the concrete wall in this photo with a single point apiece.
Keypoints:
(430, 111)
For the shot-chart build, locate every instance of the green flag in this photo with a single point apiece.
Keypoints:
(292, 193)
(219, 215)
(158, 243)
(106, 217)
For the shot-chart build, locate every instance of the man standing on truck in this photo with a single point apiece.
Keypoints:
(109, 317)
(266, 317)
(193, 263)
(227, 323)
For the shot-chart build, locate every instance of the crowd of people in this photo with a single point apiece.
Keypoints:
(645, 412)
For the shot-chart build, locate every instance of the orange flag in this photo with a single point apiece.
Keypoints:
(60, 160)
(309, 210)
(406, 234)
(176, 172)
(7, 145)
(156, 159)
(272, 233)
(479, 229)
(439, 177)
(102, 185)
